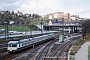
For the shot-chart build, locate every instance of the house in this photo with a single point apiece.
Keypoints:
(66, 16)
(19, 13)
(1, 12)
(50, 16)
(26, 15)
(11, 22)
(58, 14)
(73, 17)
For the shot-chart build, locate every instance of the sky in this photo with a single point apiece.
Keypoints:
(43, 7)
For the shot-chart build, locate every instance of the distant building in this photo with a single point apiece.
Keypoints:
(2, 12)
(19, 13)
(26, 15)
(56, 15)
(66, 16)
(74, 17)
(11, 22)
(60, 22)
(50, 16)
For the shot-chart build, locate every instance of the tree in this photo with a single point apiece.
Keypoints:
(86, 29)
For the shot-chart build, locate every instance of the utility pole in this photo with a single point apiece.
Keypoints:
(62, 26)
(6, 29)
(61, 37)
(31, 27)
(62, 29)
(41, 25)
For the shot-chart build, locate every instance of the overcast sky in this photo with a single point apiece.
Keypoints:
(42, 7)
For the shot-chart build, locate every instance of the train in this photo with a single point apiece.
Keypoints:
(15, 46)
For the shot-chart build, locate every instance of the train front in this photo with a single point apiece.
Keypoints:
(12, 46)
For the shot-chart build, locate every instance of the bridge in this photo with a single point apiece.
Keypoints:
(67, 28)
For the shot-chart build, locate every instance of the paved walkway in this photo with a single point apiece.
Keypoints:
(82, 53)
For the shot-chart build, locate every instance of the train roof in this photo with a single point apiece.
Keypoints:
(13, 42)
(23, 40)
(36, 37)
(50, 34)
(30, 38)
(40, 36)
(45, 35)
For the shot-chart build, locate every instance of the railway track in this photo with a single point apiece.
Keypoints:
(5, 55)
(44, 53)
(56, 53)
(29, 55)
(3, 51)
(11, 56)
(61, 52)
(45, 50)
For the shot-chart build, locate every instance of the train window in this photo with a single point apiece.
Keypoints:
(9, 45)
(22, 44)
(28, 42)
(19, 45)
(14, 45)
(25, 43)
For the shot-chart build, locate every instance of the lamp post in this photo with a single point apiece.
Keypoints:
(46, 25)
(6, 28)
(41, 25)
(31, 26)
(62, 26)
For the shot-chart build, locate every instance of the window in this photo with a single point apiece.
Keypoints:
(9, 45)
(28, 42)
(22, 44)
(14, 45)
(25, 43)
(19, 45)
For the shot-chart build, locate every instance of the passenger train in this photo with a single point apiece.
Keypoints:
(15, 46)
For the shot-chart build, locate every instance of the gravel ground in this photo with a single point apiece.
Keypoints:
(82, 53)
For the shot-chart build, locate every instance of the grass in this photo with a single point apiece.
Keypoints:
(17, 28)
(78, 42)
(89, 52)
(72, 59)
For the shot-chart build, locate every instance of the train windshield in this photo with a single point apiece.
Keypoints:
(12, 45)
(9, 45)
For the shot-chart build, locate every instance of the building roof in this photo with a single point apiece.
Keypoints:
(73, 16)
(19, 12)
(50, 14)
(56, 21)
(58, 12)
(60, 21)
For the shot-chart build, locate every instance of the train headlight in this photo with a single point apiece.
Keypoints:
(10, 50)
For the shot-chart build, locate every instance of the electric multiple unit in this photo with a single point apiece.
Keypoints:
(15, 46)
